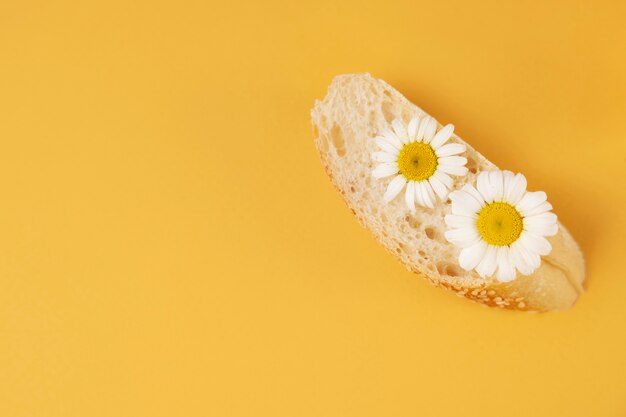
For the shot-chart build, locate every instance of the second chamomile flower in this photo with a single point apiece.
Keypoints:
(500, 227)
(419, 159)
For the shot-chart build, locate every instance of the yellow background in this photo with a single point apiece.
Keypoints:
(170, 245)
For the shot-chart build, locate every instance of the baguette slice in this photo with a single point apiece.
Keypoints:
(355, 109)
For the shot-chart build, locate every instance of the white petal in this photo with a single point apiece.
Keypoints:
(466, 199)
(444, 179)
(516, 189)
(471, 257)
(518, 260)
(422, 128)
(421, 192)
(453, 160)
(535, 244)
(464, 204)
(418, 196)
(394, 188)
(547, 230)
(541, 208)
(496, 182)
(543, 219)
(384, 157)
(482, 183)
(530, 201)
(430, 129)
(442, 136)
(387, 146)
(474, 193)
(391, 137)
(544, 224)
(400, 130)
(488, 264)
(453, 170)
(506, 269)
(450, 149)
(429, 195)
(438, 187)
(412, 129)
(463, 238)
(385, 170)
(531, 259)
(458, 221)
(409, 196)
(508, 178)
(551, 230)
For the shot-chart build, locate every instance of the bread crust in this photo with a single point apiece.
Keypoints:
(345, 122)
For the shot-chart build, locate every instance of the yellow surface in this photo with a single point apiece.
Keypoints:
(170, 245)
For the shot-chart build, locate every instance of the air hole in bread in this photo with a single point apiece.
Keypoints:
(430, 232)
(471, 165)
(338, 142)
(450, 270)
(352, 189)
(372, 118)
(387, 110)
(321, 140)
(421, 253)
(412, 221)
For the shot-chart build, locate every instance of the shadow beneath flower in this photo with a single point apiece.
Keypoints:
(576, 211)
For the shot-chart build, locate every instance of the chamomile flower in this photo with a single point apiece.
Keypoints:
(418, 157)
(500, 226)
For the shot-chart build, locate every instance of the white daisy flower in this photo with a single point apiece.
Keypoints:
(419, 158)
(500, 225)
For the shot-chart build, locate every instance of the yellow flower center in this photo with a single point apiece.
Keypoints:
(417, 161)
(499, 224)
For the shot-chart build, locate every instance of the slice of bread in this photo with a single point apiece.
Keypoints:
(355, 109)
